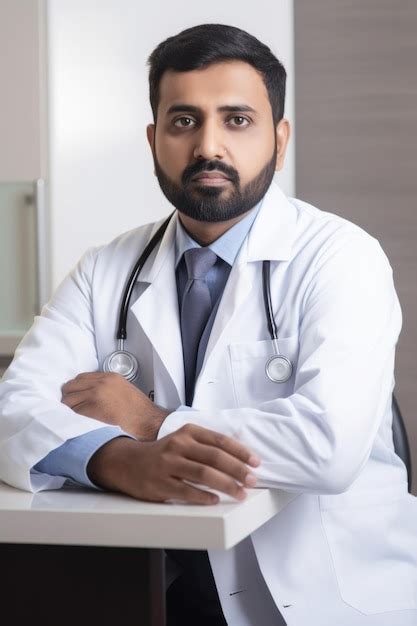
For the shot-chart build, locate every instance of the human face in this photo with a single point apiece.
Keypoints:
(216, 121)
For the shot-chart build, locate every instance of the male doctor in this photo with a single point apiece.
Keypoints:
(203, 417)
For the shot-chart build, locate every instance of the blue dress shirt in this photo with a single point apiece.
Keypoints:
(70, 460)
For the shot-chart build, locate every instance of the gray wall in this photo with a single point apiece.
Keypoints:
(23, 140)
(356, 116)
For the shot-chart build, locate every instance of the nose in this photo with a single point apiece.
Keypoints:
(209, 142)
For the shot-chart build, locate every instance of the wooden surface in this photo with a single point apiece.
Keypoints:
(356, 136)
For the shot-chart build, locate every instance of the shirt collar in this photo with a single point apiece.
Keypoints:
(226, 247)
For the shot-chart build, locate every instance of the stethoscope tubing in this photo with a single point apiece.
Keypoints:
(278, 367)
(124, 308)
(266, 284)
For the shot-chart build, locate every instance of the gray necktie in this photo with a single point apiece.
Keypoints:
(195, 310)
(196, 583)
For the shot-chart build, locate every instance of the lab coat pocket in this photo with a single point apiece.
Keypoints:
(372, 539)
(248, 360)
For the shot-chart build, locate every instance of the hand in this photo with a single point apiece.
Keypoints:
(110, 398)
(156, 471)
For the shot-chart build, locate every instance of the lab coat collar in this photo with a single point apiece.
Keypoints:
(164, 250)
(156, 310)
(272, 234)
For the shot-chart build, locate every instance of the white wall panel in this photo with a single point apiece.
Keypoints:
(101, 169)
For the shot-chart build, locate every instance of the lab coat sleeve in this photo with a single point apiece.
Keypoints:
(69, 461)
(59, 345)
(318, 439)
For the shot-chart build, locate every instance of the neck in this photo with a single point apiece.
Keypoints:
(205, 233)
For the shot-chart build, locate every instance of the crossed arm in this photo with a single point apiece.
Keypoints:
(151, 469)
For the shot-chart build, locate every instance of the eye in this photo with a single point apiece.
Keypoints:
(240, 120)
(181, 120)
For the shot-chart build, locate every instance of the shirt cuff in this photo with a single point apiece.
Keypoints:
(167, 425)
(69, 461)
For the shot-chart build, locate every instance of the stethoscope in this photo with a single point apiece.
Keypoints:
(278, 367)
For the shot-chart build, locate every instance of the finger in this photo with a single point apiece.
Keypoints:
(221, 460)
(76, 384)
(81, 380)
(77, 387)
(233, 447)
(193, 495)
(205, 475)
(88, 409)
(74, 399)
(98, 374)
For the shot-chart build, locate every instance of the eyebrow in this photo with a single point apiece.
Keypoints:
(229, 108)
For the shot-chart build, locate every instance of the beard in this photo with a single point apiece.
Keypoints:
(205, 203)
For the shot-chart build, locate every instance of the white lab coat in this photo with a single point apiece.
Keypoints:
(344, 551)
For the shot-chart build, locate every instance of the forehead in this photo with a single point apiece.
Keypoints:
(224, 83)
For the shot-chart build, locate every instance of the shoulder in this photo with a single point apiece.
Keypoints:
(325, 233)
(131, 241)
(123, 249)
(317, 219)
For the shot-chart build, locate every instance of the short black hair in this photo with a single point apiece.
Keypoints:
(200, 46)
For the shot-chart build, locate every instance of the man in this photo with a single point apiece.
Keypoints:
(343, 551)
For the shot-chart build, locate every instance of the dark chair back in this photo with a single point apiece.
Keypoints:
(401, 445)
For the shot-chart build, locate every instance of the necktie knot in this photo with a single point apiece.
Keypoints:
(199, 261)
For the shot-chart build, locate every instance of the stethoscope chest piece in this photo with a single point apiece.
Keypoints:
(123, 363)
(278, 368)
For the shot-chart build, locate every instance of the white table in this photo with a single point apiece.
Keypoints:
(109, 546)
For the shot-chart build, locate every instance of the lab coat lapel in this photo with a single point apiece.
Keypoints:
(237, 289)
(156, 309)
(270, 238)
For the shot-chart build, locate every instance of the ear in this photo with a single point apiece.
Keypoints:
(283, 132)
(150, 133)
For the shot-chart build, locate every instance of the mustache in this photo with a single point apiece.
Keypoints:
(209, 166)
